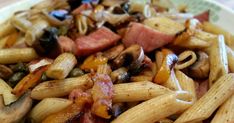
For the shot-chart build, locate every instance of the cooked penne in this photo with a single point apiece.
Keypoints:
(47, 107)
(3, 42)
(218, 60)
(6, 29)
(5, 91)
(20, 22)
(225, 113)
(173, 83)
(2, 104)
(61, 66)
(230, 56)
(205, 36)
(81, 24)
(138, 91)
(165, 121)
(14, 55)
(162, 24)
(209, 27)
(193, 43)
(35, 31)
(154, 109)
(59, 88)
(186, 59)
(222, 89)
(186, 83)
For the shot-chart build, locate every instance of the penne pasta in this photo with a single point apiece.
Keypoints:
(185, 59)
(230, 57)
(62, 66)
(173, 83)
(6, 29)
(2, 105)
(35, 31)
(20, 22)
(3, 42)
(186, 83)
(205, 36)
(225, 114)
(59, 88)
(47, 107)
(138, 91)
(218, 60)
(209, 27)
(81, 23)
(15, 55)
(193, 43)
(5, 91)
(165, 121)
(154, 109)
(222, 89)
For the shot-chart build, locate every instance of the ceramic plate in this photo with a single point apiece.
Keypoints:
(220, 14)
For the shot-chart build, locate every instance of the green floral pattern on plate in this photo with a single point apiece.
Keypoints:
(199, 6)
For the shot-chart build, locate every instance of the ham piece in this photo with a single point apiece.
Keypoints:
(146, 37)
(203, 17)
(96, 41)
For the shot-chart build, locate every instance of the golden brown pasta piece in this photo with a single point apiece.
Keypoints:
(36, 30)
(222, 89)
(47, 107)
(209, 27)
(138, 91)
(173, 83)
(187, 84)
(61, 66)
(15, 55)
(225, 114)
(59, 88)
(154, 109)
(218, 60)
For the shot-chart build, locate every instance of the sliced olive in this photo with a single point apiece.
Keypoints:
(47, 43)
(44, 77)
(15, 78)
(19, 67)
(76, 72)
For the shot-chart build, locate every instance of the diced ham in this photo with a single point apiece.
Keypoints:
(102, 93)
(203, 17)
(147, 37)
(66, 44)
(96, 41)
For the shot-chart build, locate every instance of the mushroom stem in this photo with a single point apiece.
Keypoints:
(16, 111)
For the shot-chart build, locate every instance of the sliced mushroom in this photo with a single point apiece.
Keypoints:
(14, 112)
(5, 72)
(132, 57)
(120, 75)
(113, 52)
(201, 68)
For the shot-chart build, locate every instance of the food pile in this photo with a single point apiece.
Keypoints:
(118, 61)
